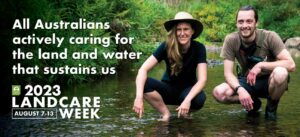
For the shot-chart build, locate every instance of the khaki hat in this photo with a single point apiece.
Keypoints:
(185, 17)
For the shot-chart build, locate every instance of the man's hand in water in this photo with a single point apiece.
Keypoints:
(245, 99)
(138, 107)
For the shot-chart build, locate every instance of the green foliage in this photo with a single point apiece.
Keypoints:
(281, 16)
(148, 24)
(147, 49)
(143, 20)
(218, 17)
(66, 10)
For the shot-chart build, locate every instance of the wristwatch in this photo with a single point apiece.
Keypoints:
(237, 88)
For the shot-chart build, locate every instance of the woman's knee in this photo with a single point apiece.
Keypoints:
(199, 101)
(153, 95)
(150, 85)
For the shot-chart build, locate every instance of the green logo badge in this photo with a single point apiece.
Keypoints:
(16, 90)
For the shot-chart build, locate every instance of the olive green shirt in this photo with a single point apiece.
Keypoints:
(268, 46)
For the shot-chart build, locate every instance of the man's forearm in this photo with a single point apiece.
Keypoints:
(269, 66)
(232, 80)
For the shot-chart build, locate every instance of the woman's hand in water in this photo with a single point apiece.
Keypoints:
(184, 108)
(138, 107)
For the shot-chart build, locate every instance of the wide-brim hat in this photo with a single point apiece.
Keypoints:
(185, 17)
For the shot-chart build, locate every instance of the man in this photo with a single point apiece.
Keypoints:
(264, 63)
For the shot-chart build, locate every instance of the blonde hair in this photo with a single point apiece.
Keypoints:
(174, 52)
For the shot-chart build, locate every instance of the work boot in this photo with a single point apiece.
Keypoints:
(256, 107)
(271, 109)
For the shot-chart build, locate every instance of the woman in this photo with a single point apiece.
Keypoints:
(183, 57)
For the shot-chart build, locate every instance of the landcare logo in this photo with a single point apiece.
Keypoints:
(16, 90)
(44, 102)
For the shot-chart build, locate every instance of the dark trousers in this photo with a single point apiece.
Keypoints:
(173, 94)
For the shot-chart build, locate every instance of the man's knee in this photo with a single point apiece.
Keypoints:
(279, 75)
(218, 92)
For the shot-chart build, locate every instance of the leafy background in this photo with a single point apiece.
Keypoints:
(141, 19)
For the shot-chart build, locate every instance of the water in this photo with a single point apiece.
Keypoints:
(117, 118)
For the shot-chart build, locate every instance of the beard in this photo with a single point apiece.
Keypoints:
(247, 33)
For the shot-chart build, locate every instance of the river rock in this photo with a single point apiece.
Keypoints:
(292, 42)
(294, 52)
